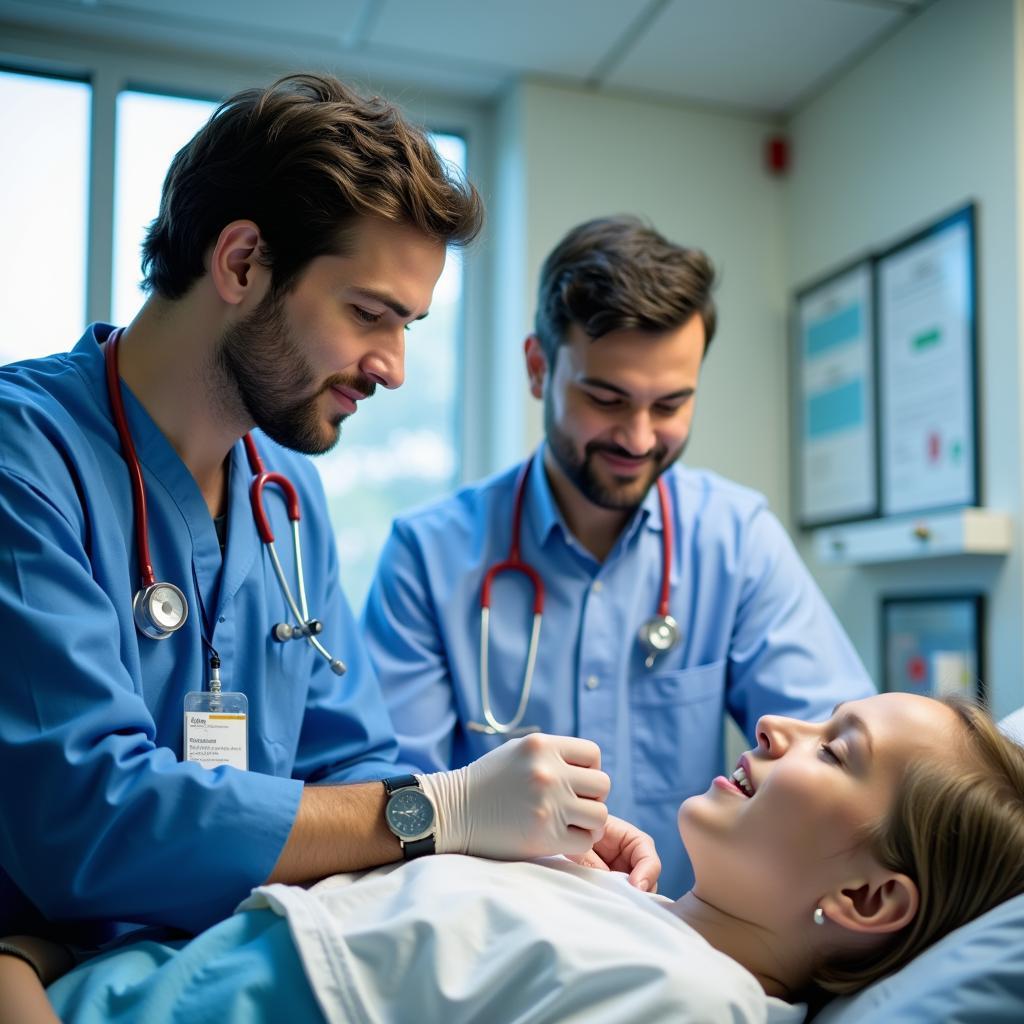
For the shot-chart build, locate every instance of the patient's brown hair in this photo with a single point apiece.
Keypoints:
(302, 159)
(958, 831)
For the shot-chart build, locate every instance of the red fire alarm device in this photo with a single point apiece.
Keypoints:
(776, 155)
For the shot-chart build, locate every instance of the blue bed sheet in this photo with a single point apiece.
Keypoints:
(242, 971)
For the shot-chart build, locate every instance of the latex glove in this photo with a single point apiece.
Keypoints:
(623, 847)
(531, 797)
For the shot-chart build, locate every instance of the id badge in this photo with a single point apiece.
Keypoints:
(217, 729)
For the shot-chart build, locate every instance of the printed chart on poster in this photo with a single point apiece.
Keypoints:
(932, 644)
(927, 369)
(835, 399)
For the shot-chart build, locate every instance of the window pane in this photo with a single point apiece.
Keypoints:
(401, 448)
(45, 171)
(150, 130)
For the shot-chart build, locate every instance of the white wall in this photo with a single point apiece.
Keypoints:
(925, 123)
(929, 119)
(699, 178)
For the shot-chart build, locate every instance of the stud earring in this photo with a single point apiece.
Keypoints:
(819, 915)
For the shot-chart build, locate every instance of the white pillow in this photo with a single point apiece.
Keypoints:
(975, 975)
(1013, 725)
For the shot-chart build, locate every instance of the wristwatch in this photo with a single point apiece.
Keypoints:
(410, 815)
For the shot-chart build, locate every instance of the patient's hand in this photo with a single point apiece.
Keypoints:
(623, 847)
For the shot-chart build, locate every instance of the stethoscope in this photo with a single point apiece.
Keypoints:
(657, 635)
(160, 609)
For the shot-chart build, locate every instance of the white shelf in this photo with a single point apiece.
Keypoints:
(967, 531)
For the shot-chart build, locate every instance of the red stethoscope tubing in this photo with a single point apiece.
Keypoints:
(666, 547)
(306, 626)
(131, 460)
(664, 626)
(260, 479)
(260, 475)
(514, 562)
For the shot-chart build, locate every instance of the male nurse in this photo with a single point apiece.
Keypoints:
(670, 596)
(164, 747)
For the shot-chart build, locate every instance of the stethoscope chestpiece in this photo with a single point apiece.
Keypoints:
(160, 610)
(657, 636)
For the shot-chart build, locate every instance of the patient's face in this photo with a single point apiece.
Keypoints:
(817, 787)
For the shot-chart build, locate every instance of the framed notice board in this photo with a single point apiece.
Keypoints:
(933, 644)
(927, 368)
(834, 408)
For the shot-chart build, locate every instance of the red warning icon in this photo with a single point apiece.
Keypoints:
(916, 670)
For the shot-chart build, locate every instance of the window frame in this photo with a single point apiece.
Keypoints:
(111, 66)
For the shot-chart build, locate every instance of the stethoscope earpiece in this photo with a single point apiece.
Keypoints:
(160, 610)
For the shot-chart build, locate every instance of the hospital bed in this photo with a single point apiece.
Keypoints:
(973, 976)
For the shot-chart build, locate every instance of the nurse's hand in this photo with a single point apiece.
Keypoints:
(623, 847)
(531, 797)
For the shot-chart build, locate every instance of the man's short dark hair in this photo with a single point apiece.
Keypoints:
(303, 159)
(618, 273)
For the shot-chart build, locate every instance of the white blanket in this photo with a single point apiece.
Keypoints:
(459, 939)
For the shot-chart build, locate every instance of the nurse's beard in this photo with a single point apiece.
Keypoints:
(263, 364)
(584, 476)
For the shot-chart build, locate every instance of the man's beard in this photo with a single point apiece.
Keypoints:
(582, 473)
(262, 369)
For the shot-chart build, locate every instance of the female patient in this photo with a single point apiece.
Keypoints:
(836, 853)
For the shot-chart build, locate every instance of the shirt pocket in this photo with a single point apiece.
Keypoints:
(676, 731)
(284, 698)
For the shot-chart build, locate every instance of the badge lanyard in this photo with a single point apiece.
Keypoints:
(216, 720)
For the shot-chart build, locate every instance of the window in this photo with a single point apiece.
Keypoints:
(150, 130)
(43, 204)
(401, 448)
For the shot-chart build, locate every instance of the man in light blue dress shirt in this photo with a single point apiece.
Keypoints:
(624, 319)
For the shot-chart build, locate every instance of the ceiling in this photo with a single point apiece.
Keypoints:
(759, 56)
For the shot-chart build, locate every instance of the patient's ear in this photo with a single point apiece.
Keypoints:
(881, 904)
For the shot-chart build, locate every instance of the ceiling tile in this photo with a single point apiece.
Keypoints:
(749, 53)
(566, 38)
(333, 18)
(755, 54)
(301, 47)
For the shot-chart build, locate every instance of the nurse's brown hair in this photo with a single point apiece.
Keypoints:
(302, 159)
(956, 829)
(618, 273)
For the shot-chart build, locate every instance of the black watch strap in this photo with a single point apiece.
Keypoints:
(419, 848)
(400, 782)
(12, 949)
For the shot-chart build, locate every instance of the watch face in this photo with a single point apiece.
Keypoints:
(410, 814)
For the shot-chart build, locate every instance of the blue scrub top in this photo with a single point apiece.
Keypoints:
(758, 637)
(100, 821)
